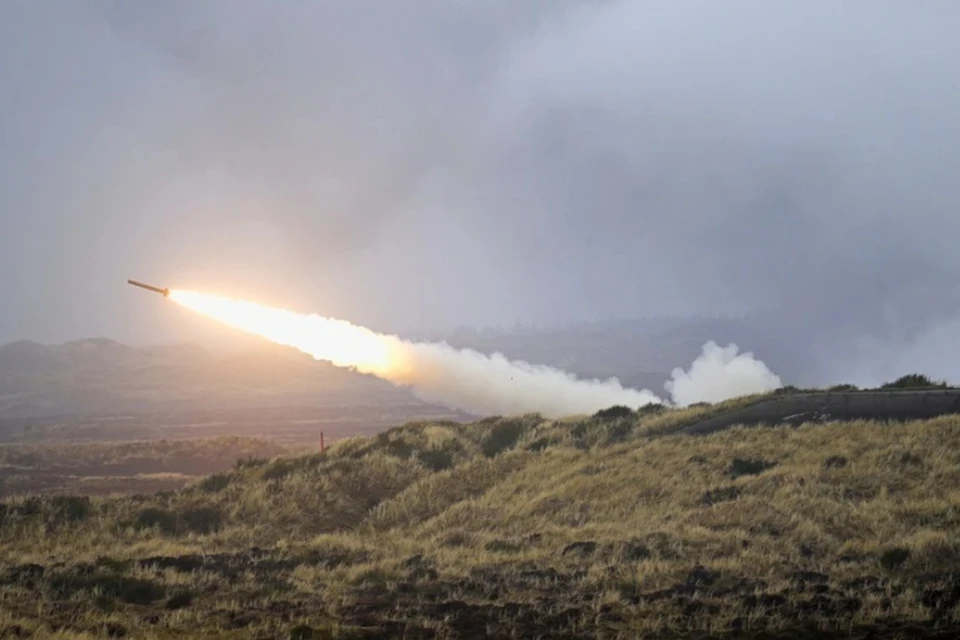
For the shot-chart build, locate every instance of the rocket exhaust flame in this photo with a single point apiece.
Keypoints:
(470, 381)
(436, 372)
(336, 341)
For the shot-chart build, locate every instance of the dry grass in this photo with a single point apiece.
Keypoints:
(517, 527)
(121, 467)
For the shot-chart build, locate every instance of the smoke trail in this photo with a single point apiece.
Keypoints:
(461, 379)
(720, 374)
(472, 381)
(492, 384)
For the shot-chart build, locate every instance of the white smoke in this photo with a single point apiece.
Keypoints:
(471, 381)
(492, 384)
(720, 373)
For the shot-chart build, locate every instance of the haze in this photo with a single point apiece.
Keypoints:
(430, 163)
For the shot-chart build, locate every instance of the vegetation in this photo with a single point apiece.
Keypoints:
(596, 526)
(915, 381)
(124, 467)
(912, 381)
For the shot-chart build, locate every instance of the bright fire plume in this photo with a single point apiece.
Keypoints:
(436, 372)
(336, 341)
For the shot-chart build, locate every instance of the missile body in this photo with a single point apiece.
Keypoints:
(163, 292)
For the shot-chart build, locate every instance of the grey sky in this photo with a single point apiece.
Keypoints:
(430, 162)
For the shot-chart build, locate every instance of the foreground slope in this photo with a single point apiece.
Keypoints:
(523, 527)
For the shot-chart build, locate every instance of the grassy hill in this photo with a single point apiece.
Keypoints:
(607, 526)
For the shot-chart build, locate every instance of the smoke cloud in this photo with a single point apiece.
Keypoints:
(468, 380)
(720, 373)
(492, 384)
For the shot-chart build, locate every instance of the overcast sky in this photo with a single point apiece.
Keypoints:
(434, 162)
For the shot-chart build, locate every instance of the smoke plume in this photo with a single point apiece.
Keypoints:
(720, 373)
(471, 381)
(492, 384)
(436, 372)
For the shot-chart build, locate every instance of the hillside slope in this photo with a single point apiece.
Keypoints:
(519, 527)
(101, 376)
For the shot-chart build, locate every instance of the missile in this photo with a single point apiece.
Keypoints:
(163, 292)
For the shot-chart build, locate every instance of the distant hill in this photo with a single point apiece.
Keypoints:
(100, 376)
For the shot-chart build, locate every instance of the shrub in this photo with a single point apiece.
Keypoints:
(749, 467)
(154, 517)
(722, 494)
(303, 632)
(278, 469)
(251, 462)
(215, 483)
(29, 507)
(914, 381)
(635, 551)
(844, 387)
(503, 546)
(911, 459)
(393, 444)
(616, 411)
(501, 437)
(400, 448)
(110, 585)
(131, 590)
(179, 600)
(786, 390)
(70, 508)
(200, 520)
(835, 462)
(539, 444)
(652, 409)
(112, 564)
(619, 431)
(894, 558)
(440, 458)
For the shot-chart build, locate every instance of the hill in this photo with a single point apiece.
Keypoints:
(616, 525)
(101, 376)
(99, 389)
